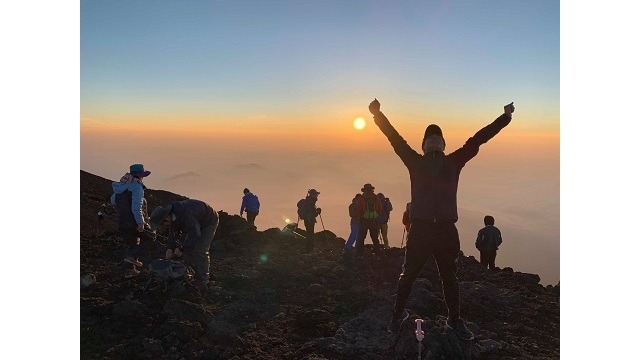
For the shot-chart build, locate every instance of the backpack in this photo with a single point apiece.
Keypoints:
(162, 271)
(370, 208)
(302, 205)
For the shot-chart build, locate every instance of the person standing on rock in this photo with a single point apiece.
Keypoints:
(198, 222)
(131, 206)
(251, 204)
(367, 211)
(308, 212)
(434, 185)
(383, 219)
(355, 224)
(488, 240)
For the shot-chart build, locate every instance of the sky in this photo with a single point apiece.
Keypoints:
(289, 79)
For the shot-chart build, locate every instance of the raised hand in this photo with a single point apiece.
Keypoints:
(374, 107)
(508, 109)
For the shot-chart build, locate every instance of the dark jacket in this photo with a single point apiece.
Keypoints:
(386, 211)
(310, 211)
(434, 176)
(191, 216)
(489, 238)
(128, 198)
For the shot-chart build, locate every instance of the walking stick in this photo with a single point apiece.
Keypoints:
(325, 231)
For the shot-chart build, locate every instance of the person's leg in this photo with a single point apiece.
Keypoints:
(309, 229)
(199, 256)
(251, 217)
(352, 236)
(446, 254)
(484, 259)
(131, 241)
(384, 230)
(374, 233)
(362, 233)
(417, 253)
(492, 260)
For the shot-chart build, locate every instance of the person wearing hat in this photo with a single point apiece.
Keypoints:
(434, 185)
(308, 213)
(251, 205)
(198, 222)
(368, 210)
(131, 206)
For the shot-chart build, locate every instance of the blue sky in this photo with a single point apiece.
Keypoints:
(242, 58)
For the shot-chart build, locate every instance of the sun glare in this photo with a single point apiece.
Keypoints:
(359, 123)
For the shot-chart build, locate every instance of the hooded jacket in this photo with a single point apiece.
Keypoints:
(190, 217)
(250, 202)
(130, 212)
(434, 176)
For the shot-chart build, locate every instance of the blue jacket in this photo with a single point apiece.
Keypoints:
(489, 238)
(191, 216)
(119, 199)
(250, 202)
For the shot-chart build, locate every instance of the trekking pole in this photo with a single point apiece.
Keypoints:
(323, 229)
(403, 231)
(419, 336)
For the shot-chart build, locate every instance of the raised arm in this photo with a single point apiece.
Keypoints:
(400, 146)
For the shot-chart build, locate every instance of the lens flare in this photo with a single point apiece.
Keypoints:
(359, 123)
(287, 220)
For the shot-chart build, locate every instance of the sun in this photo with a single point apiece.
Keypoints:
(359, 123)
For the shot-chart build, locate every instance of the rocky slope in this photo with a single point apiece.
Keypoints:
(268, 301)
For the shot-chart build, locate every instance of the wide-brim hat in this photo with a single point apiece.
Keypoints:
(138, 170)
(157, 215)
(367, 187)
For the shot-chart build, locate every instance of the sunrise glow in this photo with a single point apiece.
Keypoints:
(359, 123)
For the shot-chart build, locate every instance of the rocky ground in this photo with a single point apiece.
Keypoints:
(268, 301)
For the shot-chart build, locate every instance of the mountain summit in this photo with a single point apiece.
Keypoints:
(269, 301)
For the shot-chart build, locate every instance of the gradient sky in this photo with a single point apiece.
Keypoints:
(210, 86)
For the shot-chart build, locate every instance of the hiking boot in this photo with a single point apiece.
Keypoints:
(396, 321)
(460, 329)
(133, 261)
(131, 273)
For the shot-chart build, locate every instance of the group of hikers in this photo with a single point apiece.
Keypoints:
(429, 219)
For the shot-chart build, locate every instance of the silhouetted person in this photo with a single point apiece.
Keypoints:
(251, 205)
(434, 185)
(131, 206)
(383, 219)
(406, 218)
(368, 210)
(355, 224)
(489, 238)
(307, 211)
(197, 222)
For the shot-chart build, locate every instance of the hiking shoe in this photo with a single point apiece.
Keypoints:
(133, 261)
(460, 329)
(131, 273)
(396, 321)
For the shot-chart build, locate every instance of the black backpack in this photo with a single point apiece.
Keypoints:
(163, 271)
(370, 212)
(302, 208)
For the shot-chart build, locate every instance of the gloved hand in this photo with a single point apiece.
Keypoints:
(177, 253)
(168, 255)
